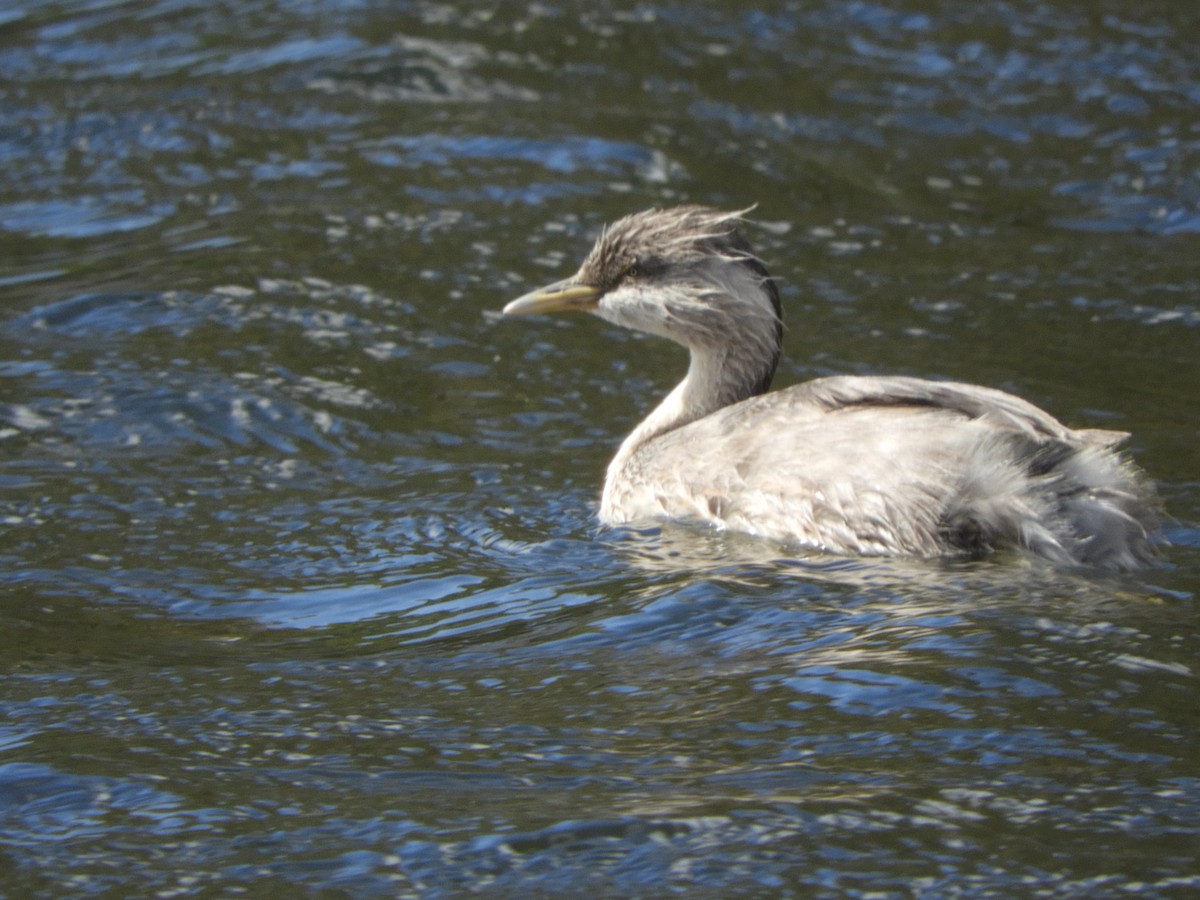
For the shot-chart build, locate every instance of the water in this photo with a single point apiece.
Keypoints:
(302, 589)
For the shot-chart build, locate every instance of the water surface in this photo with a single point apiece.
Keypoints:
(302, 587)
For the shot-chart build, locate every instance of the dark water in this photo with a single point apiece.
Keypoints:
(302, 592)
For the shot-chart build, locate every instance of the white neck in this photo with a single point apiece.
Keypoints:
(711, 384)
(732, 331)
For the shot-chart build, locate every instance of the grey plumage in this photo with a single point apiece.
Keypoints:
(851, 465)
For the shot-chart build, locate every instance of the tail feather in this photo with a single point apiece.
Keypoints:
(1072, 503)
(1111, 508)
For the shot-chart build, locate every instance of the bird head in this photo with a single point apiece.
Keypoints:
(686, 274)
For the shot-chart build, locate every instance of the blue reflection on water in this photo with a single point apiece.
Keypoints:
(303, 589)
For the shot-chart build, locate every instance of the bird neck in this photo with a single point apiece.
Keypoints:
(734, 338)
(714, 381)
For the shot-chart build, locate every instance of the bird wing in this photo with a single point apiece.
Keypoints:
(992, 407)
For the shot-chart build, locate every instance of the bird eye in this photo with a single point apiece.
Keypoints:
(633, 271)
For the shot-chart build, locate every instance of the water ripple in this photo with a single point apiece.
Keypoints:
(303, 587)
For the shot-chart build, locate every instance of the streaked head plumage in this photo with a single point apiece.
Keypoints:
(685, 273)
(648, 242)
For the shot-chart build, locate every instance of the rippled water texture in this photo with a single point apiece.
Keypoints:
(302, 591)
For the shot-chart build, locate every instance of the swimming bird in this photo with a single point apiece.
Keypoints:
(848, 465)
